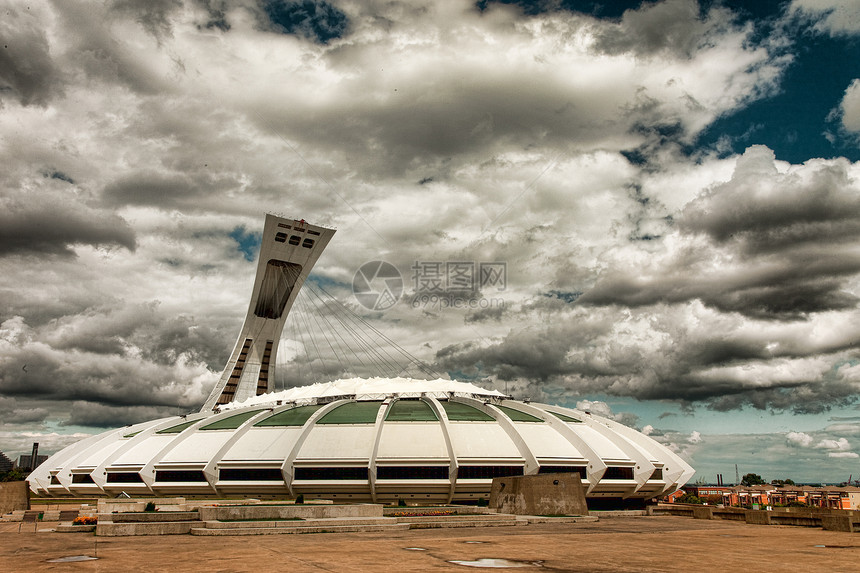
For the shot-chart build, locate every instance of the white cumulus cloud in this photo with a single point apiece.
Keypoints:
(840, 444)
(801, 439)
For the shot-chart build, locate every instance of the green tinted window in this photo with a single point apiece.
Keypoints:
(411, 411)
(352, 413)
(292, 417)
(566, 418)
(232, 422)
(458, 412)
(518, 416)
(177, 428)
(133, 434)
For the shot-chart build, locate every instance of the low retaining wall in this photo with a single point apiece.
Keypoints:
(833, 519)
(849, 523)
(109, 529)
(139, 504)
(14, 496)
(151, 516)
(237, 512)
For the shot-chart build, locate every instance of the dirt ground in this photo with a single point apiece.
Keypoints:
(631, 544)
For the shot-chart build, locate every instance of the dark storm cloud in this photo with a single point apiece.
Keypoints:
(12, 412)
(28, 73)
(108, 379)
(767, 211)
(94, 49)
(51, 229)
(791, 238)
(165, 190)
(312, 19)
(780, 291)
(716, 365)
(145, 330)
(97, 415)
(673, 26)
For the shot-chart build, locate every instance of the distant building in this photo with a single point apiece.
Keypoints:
(5, 463)
(24, 461)
(831, 497)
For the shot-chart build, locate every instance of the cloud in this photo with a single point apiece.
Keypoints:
(97, 415)
(840, 444)
(12, 412)
(118, 375)
(755, 244)
(153, 15)
(834, 17)
(849, 109)
(695, 437)
(28, 73)
(674, 26)
(848, 455)
(36, 227)
(799, 439)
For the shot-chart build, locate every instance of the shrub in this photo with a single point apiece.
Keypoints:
(300, 499)
(401, 503)
(85, 520)
(149, 506)
(689, 498)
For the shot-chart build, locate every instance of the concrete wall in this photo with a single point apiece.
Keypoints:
(289, 511)
(120, 505)
(14, 495)
(546, 494)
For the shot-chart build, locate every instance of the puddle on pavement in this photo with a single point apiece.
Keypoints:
(837, 546)
(474, 542)
(72, 559)
(414, 549)
(497, 563)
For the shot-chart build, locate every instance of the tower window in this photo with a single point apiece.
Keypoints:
(281, 237)
(294, 240)
(308, 243)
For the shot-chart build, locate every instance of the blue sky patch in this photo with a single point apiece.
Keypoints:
(318, 21)
(794, 123)
(248, 243)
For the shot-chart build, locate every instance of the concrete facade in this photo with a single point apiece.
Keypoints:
(548, 494)
(288, 251)
(14, 496)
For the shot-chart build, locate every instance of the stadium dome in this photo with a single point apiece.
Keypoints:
(378, 439)
(365, 440)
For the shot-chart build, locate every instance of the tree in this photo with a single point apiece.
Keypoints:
(14, 474)
(752, 479)
(689, 498)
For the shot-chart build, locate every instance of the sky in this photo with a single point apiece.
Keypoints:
(659, 203)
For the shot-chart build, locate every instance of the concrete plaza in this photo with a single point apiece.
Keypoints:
(629, 544)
